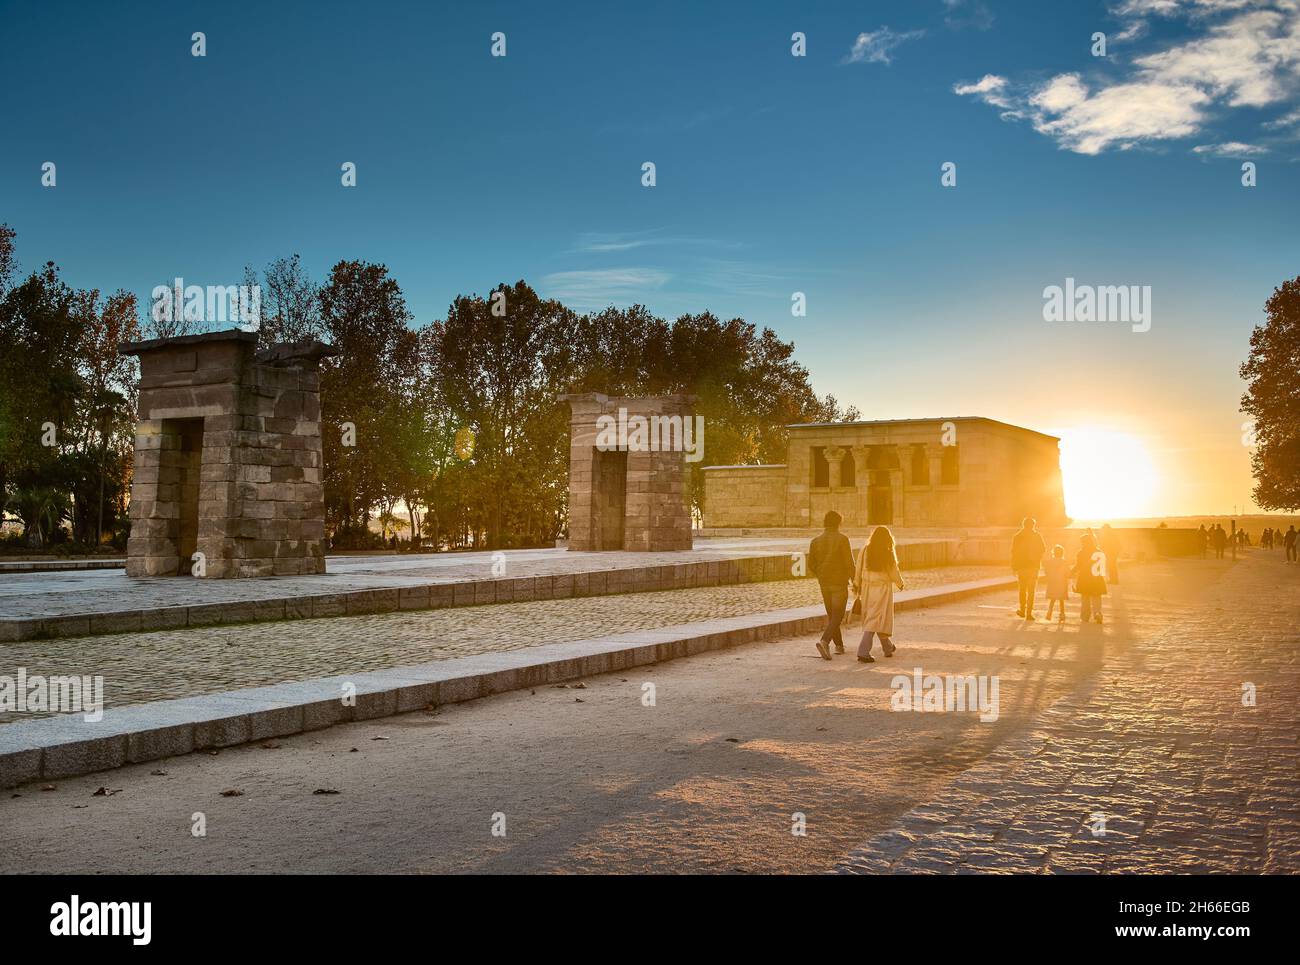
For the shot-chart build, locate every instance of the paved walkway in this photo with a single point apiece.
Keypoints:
(737, 745)
(1156, 752)
(140, 667)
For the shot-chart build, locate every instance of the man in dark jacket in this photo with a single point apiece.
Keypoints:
(1027, 551)
(831, 560)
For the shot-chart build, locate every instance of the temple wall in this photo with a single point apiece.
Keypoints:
(894, 472)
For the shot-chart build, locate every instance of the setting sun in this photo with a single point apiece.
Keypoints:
(1106, 474)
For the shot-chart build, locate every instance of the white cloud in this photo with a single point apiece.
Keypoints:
(599, 241)
(1122, 115)
(874, 47)
(599, 287)
(1251, 59)
(987, 87)
(1291, 119)
(1230, 149)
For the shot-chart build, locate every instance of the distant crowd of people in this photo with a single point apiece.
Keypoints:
(871, 578)
(1219, 539)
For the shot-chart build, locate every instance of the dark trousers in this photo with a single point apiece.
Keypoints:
(1028, 585)
(835, 599)
(1291, 553)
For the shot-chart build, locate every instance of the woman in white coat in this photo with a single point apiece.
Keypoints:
(874, 579)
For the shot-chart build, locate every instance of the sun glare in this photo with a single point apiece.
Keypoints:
(1106, 474)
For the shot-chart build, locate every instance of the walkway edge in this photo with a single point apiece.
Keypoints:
(51, 748)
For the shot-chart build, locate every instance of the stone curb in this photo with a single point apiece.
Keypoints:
(58, 566)
(424, 596)
(57, 747)
(436, 595)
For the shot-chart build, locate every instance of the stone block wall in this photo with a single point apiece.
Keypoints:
(228, 458)
(1004, 473)
(745, 495)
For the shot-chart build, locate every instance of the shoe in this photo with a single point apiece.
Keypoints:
(839, 649)
(1020, 613)
(1062, 620)
(1096, 619)
(823, 649)
(1030, 616)
(889, 651)
(867, 659)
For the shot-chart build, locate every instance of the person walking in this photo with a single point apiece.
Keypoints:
(1057, 571)
(1289, 544)
(1089, 581)
(831, 560)
(1220, 539)
(874, 580)
(1110, 545)
(1027, 549)
(1204, 538)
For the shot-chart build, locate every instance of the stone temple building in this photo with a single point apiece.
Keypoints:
(628, 488)
(227, 458)
(965, 471)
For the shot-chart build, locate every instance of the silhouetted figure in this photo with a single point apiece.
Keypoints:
(1289, 544)
(1204, 537)
(1089, 566)
(1220, 540)
(873, 584)
(1266, 538)
(831, 560)
(1027, 549)
(1110, 545)
(1057, 570)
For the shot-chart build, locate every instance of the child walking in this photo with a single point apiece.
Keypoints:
(1089, 579)
(1058, 581)
(874, 580)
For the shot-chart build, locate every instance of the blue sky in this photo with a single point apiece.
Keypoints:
(775, 174)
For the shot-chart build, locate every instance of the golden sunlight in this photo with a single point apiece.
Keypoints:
(1106, 474)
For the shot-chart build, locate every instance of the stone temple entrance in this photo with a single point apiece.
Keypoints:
(627, 489)
(227, 469)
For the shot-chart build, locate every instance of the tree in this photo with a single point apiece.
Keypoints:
(1272, 399)
(39, 392)
(367, 387)
(500, 373)
(67, 417)
(290, 303)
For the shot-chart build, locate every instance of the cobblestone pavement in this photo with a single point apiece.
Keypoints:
(79, 592)
(1157, 750)
(139, 667)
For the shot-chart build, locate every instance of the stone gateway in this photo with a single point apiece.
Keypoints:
(227, 469)
(628, 489)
